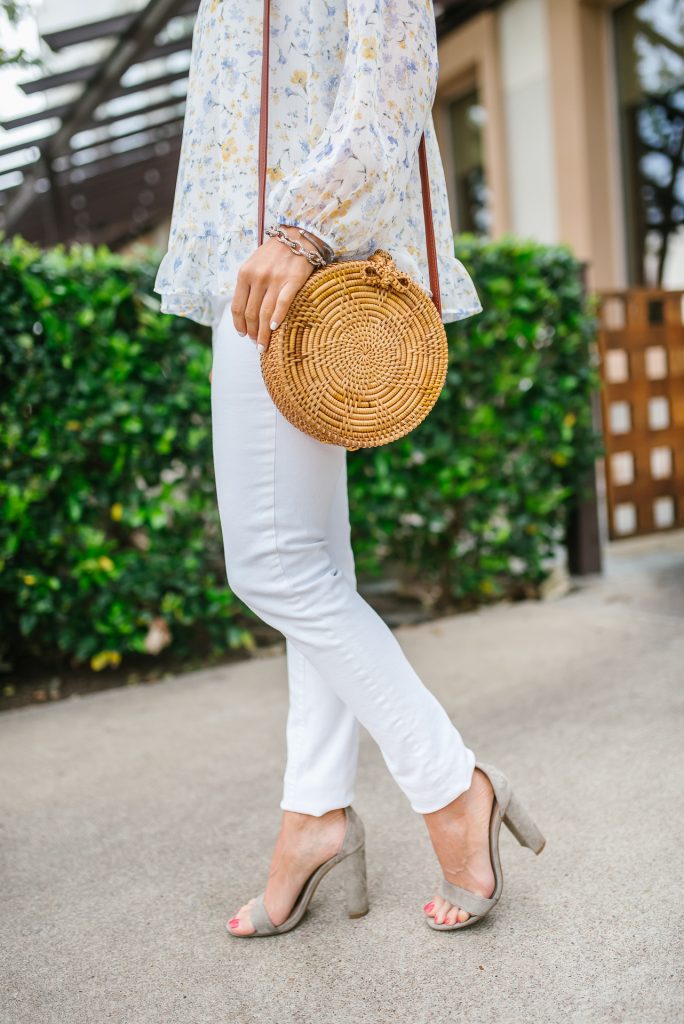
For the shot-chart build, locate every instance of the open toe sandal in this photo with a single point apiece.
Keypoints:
(351, 855)
(507, 808)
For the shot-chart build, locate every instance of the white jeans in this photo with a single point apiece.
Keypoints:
(282, 499)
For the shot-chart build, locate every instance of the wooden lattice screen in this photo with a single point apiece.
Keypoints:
(641, 344)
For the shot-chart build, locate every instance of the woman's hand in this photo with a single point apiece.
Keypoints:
(266, 285)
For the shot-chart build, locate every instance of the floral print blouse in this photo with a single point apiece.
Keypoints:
(352, 84)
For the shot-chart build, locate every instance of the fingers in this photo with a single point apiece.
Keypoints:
(274, 308)
(237, 306)
(266, 315)
(257, 292)
(285, 300)
(266, 285)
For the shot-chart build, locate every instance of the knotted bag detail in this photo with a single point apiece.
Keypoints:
(381, 270)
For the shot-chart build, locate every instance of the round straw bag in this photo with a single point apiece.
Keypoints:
(361, 356)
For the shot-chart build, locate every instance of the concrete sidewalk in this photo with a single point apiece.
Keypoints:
(134, 821)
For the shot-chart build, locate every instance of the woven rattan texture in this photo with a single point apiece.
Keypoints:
(361, 357)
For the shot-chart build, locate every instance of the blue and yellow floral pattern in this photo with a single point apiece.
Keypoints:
(352, 83)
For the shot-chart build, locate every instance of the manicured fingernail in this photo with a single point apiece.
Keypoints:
(243, 334)
(274, 325)
(262, 348)
(428, 907)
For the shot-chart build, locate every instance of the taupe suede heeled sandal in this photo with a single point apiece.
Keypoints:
(507, 808)
(351, 854)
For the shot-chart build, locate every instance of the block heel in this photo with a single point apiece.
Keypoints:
(355, 883)
(519, 822)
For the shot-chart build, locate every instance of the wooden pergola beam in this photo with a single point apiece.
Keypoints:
(114, 26)
(136, 41)
(88, 71)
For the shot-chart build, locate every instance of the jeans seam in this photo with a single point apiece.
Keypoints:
(274, 411)
(300, 708)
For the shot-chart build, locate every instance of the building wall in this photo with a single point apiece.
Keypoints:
(544, 70)
(527, 109)
(585, 123)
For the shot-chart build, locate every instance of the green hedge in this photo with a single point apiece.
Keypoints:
(476, 499)
(108, 504)
(109, 533)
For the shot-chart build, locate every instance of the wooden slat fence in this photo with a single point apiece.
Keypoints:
(641, 345)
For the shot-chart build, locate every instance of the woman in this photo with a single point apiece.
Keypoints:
(351, 89)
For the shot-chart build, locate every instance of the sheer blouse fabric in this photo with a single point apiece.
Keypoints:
(352, 84)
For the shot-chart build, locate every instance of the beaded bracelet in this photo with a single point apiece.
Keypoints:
(314, 258)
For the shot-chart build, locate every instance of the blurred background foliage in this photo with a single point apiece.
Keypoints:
(12, 54)
(110, 543)
(476, 499)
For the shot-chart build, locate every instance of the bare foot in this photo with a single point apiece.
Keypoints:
(460, 837)
(303, 844)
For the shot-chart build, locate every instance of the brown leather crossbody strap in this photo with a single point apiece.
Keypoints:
(263, 154)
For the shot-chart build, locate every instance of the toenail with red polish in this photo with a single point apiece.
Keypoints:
(234, 921)
(429, 906)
